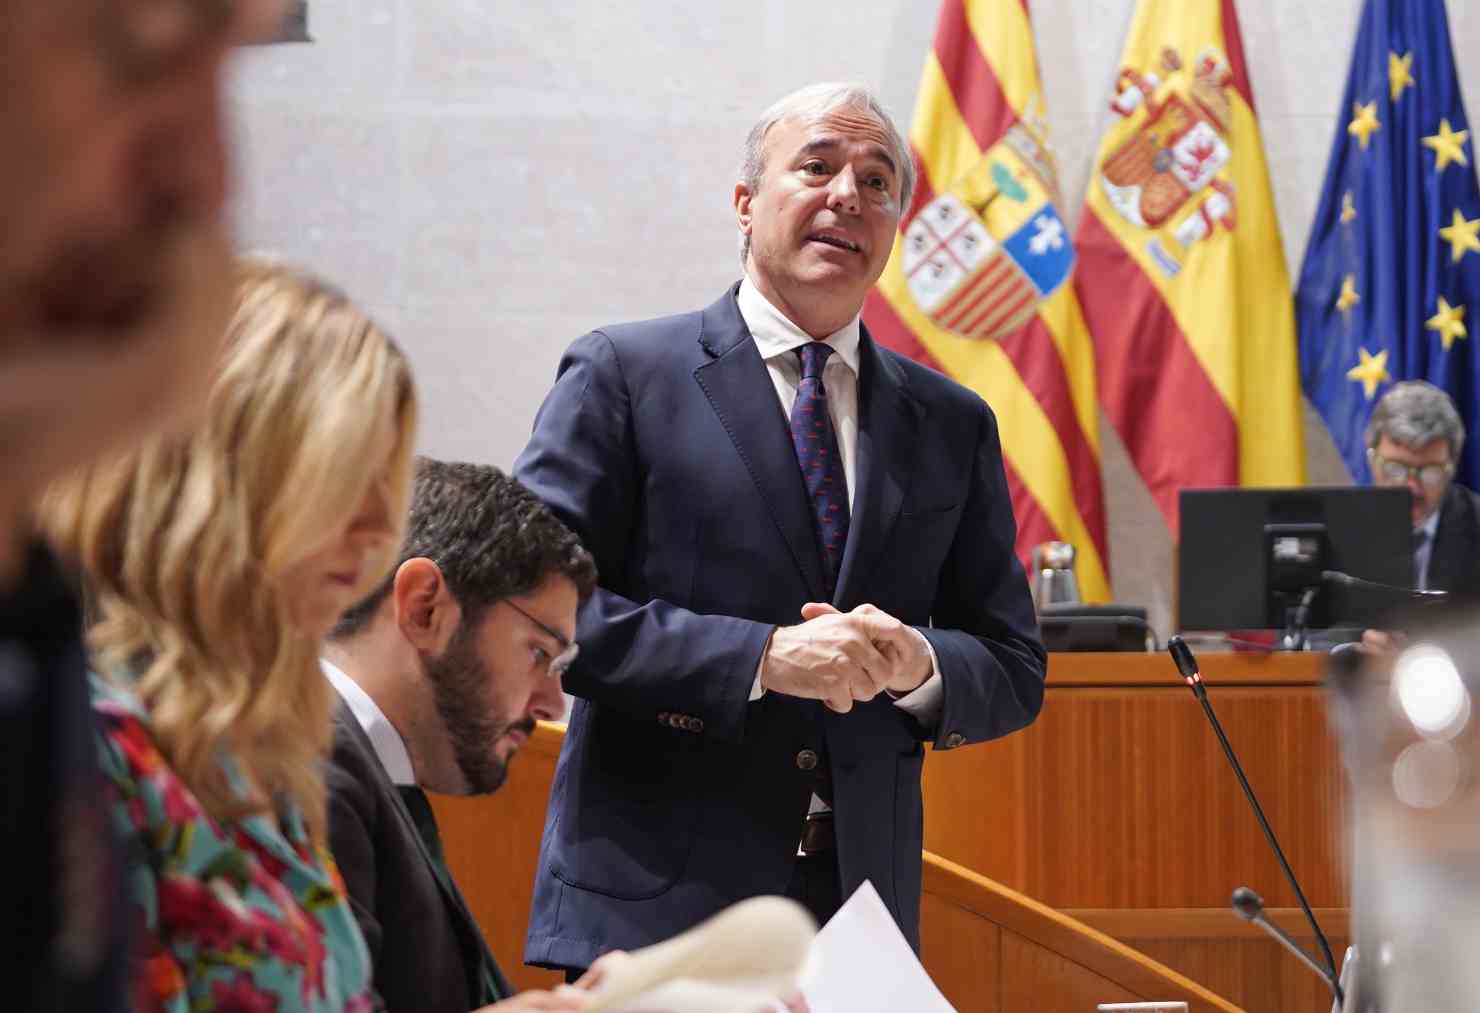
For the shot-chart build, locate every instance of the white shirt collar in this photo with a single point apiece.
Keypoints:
(776, 335)
(384, 739)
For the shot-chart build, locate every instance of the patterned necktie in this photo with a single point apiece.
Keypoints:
(822, 465)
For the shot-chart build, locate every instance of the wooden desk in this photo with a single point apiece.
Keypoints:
(1115, 807)
(1118, 807)
(988, 948)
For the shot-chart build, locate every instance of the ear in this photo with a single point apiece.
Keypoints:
(426, 613)
(743, 197)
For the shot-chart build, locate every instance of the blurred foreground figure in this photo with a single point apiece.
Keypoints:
(114, 283)
(1409, 726)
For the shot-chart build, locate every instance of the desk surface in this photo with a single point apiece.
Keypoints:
(1237, 668)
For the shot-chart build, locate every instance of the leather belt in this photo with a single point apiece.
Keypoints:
(817, 834)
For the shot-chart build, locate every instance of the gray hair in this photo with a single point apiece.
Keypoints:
(1414, 414)
(811, 102)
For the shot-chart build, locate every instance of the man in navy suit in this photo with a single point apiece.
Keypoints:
(806, 550)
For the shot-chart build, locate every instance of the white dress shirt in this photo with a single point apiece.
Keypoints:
(384, 739)
(777, 338)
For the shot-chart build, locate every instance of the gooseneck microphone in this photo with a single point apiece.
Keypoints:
(1187, 665)
(1249, 906)
(1396, 591)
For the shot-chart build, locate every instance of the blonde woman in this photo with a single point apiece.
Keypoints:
(216, 563)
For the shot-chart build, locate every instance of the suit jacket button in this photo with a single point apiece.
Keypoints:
(662, 717)
(806, 760)
(954, 739)
(695, 724)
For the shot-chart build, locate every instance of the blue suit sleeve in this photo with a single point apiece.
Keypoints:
(648, 658)
(985, 631)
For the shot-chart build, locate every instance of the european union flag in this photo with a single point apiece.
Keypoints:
(1392, 272)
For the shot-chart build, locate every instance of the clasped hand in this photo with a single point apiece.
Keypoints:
(844, 657)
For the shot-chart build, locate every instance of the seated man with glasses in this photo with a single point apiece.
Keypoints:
(1414, 438)
(442, 673)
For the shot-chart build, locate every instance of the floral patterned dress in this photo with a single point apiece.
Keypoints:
(243, 916)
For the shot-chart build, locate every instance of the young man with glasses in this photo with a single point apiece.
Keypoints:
(443, 672)
(1414, 438)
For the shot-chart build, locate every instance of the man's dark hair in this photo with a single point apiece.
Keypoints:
(491, 537)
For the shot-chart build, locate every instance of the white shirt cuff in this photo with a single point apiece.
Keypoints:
(756, 689)
(925, 702)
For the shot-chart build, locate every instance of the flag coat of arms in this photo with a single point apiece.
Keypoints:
(978, 284)
(1181, 272)
(1392, 268)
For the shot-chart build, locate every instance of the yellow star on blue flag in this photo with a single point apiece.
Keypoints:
(1371, 372)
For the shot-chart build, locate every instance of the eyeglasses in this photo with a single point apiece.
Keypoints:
(561, 663)
(1390, 472)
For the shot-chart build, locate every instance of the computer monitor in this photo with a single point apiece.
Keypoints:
(1247, 556)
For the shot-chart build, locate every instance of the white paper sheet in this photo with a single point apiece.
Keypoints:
(861, 963)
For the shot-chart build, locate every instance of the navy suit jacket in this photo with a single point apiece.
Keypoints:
(663, 445)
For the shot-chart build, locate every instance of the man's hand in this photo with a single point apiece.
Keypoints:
(605, 965)
(830, 657)
(563, 998)
(841, 658)
(905, 649)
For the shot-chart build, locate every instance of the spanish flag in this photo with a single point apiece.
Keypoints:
(978, 287)
(1181, 272)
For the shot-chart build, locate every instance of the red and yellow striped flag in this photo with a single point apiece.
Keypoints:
(1181, 271)
(977, 283)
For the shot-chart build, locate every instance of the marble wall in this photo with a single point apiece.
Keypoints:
(493, 179)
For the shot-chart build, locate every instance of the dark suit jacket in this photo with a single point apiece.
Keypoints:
(663, 445)
(1454, 562)
(423, 943)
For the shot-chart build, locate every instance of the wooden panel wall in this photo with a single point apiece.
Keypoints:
(1118, 806)
(1118, 796)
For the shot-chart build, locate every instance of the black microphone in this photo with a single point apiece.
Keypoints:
(1395, 590)
(1249, 906)
(1187, 665)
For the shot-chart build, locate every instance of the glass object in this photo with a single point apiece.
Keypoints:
(1411, 740)
(1054, 580)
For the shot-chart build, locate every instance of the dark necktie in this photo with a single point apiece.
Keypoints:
(426, 822)
(484, 982)
(821, 463)
(1420, 539)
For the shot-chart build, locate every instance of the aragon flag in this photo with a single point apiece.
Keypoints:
(977, 285)
(1181, 271)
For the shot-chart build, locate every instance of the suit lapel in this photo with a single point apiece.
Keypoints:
(739, 388)
(888, 424)
(469, 926)
(1448, 551)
